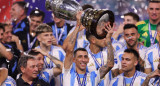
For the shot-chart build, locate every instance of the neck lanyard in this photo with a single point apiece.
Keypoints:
(152, 39)
(60, 36)
(30, 44)
(95, 60)
(84, 79)
(133, 79)
(47, 64)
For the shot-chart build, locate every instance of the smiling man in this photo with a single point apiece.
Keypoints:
(147, 28)
(18, 14)
(131, 36)
(28, 35)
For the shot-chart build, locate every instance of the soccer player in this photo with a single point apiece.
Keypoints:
(131, 36)
(130, 77)
(147, 28)
(79, 75)
(46, 73)
(60, 30)
(129, 18)
(44, 35)
(153, 55)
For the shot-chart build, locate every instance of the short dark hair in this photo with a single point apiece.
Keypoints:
(134, 52)
(88, 35)
(134, 15)
(2, 27)
(37, 13)
(23, 61)
(79, 49)
(42, 28)
(128, 26)
(22, 4)
(86, 6)
(33, 52)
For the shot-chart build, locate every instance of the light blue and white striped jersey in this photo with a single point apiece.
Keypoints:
(70, 78)
(101, 58)
(55, 51)
(59, 53)
(46, 74)
(154, 81)
(9, 82)
(137, 81)
(152, 57)
(81, 41)
(119, 53)
(117, 45)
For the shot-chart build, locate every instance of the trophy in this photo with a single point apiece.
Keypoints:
(93, 20)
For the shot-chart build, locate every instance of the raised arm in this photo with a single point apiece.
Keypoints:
(110, 60)
(153, 74)
(5, 53)
(71, 43)
(56, 70)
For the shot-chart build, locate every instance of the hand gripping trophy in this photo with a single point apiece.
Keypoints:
(93, 19)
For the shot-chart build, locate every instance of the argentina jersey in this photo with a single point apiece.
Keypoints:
(81, 41)
(117, 45)
(9, 82)
(96, 61)
(136, 80)
(56, 52)
(152, 57)
(70, 78)
(46, 74)
(154, 81)
(119, 53)
(60, 33)
(59, 54)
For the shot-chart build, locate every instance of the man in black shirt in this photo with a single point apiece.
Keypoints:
(28, 36)
(10, 49)
(18, 14)
(29, 67)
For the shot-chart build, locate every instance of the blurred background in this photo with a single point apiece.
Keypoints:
(119, 7)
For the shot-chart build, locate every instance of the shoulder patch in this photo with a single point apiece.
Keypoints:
(139, 23)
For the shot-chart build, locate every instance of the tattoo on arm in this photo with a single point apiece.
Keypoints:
(110, 61)
(56, 63)
(74, 35)
(53, 58)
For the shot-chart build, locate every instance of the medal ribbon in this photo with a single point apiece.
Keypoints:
(152, 39)
(95, 60)
(60, 36)
(133, 79)
(84, 79)
(30, 44)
